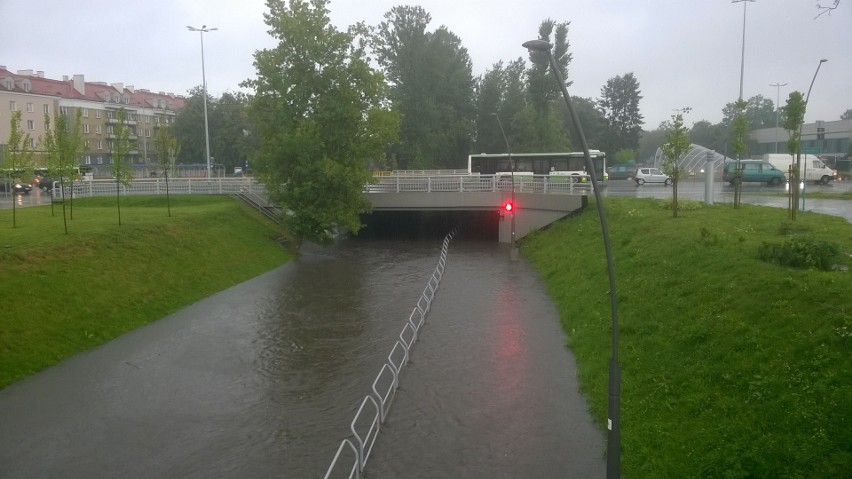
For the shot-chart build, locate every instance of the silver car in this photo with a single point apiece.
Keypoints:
(651, 175)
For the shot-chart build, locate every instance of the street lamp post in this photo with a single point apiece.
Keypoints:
(613, 455)
(513, 252)
(742, 55)
(201, 31)
(738, 181)
(799, 151)
(777, 109)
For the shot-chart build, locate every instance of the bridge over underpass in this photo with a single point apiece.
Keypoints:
(538, 200)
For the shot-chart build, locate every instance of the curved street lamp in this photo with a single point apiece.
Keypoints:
(799, 152)
(201, 31)
(613, 455)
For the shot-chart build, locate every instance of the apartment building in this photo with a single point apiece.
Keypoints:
(35, 96)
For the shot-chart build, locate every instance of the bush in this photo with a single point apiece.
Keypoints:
(800, 252)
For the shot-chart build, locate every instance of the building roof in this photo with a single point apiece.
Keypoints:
(76, 88)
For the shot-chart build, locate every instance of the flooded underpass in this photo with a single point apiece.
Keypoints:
(263, 379)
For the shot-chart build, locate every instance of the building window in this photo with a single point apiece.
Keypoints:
(46, 108)
(100, 145)
(88, 159)
(32, 142)
(109, 130)
(13, 106)
(100, 160)
(30, 125)
(85, 112)
(30, 107)
(148, 133)
(97, 113)
(85, 127)
(98, 129)
(86, 144)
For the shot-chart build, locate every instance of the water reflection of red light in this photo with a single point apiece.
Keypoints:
(510, 350)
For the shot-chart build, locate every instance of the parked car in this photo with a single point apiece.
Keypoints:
(14, 186)
(651, 175)
(753, 170)
(623, 171)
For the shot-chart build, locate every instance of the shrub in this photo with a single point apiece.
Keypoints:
(800, 252)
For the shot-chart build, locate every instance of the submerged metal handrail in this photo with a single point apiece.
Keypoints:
(381, 399)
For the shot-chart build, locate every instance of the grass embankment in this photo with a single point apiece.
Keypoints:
(731, 366)
(61, 294)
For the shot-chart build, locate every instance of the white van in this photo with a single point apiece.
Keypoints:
(813, 169)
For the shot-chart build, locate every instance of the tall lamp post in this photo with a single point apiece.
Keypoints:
(738, 185)
(513, 252)
(742, 56)
(201, 31)
(799, 151)
(777, 109)
(613, 455)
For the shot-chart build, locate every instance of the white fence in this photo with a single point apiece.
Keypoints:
(157, 186)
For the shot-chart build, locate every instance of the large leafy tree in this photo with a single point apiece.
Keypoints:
(619, 103)
(320, 117)
(758, 110)
(188, 128)
(542, 124)
(19, 155)
(431, 87)
(677, 144)
(231, 145)
(500, 91)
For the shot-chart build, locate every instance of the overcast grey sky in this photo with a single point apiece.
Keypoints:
(683, 52)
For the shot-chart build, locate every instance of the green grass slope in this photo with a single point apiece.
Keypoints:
(61, 294)
(731, 366)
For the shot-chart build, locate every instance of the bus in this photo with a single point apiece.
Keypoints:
(571, 164)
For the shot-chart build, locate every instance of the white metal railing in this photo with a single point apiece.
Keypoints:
(157, 186)
(408, 183)
(544, 184)
(374, 408)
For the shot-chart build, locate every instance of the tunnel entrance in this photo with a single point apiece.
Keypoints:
(474, 225)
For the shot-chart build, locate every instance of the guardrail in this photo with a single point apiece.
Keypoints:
(157, 186)
(409, 183)
(543, 184)
(374, 408)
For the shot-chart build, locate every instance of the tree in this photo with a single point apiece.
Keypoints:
(759, 111)
(320, 116)
(541, 124)
(794, 116)
(120, 146)
(432, 87)
(708, 135)
(499, 91)
(19, 156)
(623, 156)
(592, 121)
(677, 144)
(168, 149)
(188, 128)
(62, 145)
(739, 130)
(847, 115)
(650, 141)
(619, 104)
